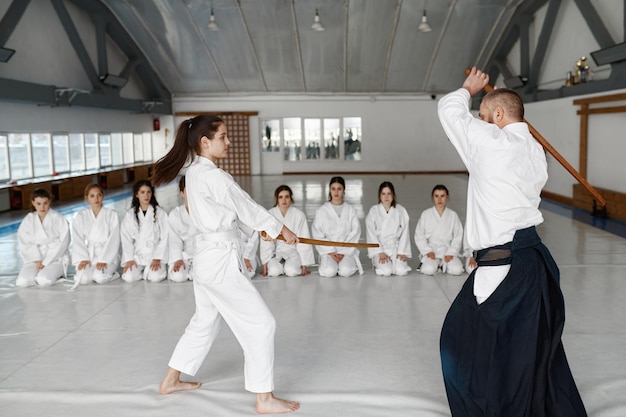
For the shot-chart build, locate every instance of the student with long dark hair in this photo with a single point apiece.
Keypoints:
(144, 232)
(217, 205)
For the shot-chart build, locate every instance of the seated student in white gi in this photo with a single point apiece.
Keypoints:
(387, 224)
(43, 239)
(338, 221)
(439, 236)
(181, 239)
(278, 257)
(144, 237)
(249, 247)
(96, 240)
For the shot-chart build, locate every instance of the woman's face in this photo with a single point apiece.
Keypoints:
(217, 148)
(144, 195)
(284, 199)
(386, 196)
(94, 197)
(41, 205)
(336, 193)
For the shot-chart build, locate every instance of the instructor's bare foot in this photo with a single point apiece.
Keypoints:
(266, 403)
(172, 383)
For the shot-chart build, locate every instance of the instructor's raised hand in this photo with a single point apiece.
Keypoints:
(476, 81)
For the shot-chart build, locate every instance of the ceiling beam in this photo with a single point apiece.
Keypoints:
(542, 44)
(11, 18)
(595, 24)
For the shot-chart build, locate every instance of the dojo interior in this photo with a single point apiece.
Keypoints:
(115, 79)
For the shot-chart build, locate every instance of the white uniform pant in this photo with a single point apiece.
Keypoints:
(430, 266)
(393, 266)
(183, 274)
(91, 274)
(140, 272)
(237, 301)
(29, 275)
(345, 268)
(291, 266)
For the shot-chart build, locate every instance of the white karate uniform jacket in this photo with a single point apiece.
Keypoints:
(295, 220)
(389, 229)
(442, 235)
(147, 240)
(495, 209)
(46, 241)
(96, 239)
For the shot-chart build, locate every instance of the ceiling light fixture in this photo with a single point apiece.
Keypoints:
(424, 26)
(212, 24)
(317, 26)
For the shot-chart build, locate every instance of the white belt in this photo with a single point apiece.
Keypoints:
(219, 236)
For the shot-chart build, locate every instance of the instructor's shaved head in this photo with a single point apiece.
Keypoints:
(509, 100)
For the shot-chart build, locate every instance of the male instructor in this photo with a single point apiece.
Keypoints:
(501, 349)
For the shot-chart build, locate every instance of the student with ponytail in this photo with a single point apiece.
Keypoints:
(216, 206)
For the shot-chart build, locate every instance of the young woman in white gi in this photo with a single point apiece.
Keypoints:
(277, 257)
(43, 239)
(250, 247)
(217, 205)
(181, 239)
(337, 220)
(439, 236)
(144, 237)
(387, 224)
(96, 240)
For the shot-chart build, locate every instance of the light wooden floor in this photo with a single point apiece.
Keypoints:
(358, 346)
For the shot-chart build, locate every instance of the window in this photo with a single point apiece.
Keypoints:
(352, 138)
(312, 135)
(147, 146)
(293, 138)
(4, 158)
(105, 150)
(20, 155)
(61, 153)
(77, 152)
(270, 135)
(41, 147)
(92, 159)
(138, 147)
(332, 131)
(127, 146)
(117, 152)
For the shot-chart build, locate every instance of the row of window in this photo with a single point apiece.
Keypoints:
(30, 155)
(313, 138)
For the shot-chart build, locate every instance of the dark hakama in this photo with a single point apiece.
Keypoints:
(504, 357)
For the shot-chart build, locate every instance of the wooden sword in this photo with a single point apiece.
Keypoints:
(320, 242)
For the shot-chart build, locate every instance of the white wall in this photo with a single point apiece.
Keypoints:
(399, 133)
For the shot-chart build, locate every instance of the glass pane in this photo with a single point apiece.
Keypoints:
(61, 152)
(147, 146)
(117, 153)
(293, 138)
(42, 154)
(332, 132)
(19, 155)
(4, 158)
(105, 150)
(138, 147)
(127, 145)
(92, 161)
(312, 135)
(352, 138)
(77, 152)
(270, 132)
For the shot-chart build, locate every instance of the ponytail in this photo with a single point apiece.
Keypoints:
(186, 146)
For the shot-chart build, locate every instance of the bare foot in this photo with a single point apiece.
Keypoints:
(172, 383)
(266, 403)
